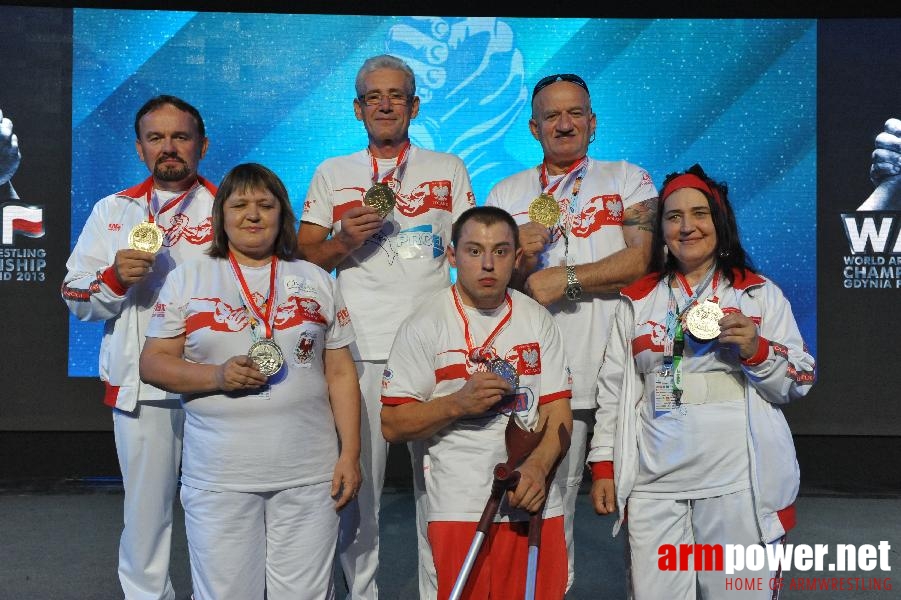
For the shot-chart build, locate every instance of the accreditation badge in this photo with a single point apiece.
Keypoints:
(665, 397)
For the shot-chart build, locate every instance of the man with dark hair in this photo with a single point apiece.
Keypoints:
(585, 228)
(130, 243)
(475, 356)
(381, 217)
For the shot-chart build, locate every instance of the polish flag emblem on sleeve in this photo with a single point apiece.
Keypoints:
(24, 220)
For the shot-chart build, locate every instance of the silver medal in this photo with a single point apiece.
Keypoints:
(267, 356)
(500, 367)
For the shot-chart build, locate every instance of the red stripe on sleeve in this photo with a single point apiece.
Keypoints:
(450, 372)
(397, 400)
(763, 350)
(602, 470)
(555, 396)
(108, 276)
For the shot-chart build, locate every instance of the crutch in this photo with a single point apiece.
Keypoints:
(537, 519)
(519, 442)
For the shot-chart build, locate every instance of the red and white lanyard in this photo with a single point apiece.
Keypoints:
(483, 352)
(399, 167)
(151, 217)
(573, 178)
(267, 316)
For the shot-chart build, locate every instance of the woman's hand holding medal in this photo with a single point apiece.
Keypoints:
(131, 266)
(738, 329)
(358, 224)
(239, 373)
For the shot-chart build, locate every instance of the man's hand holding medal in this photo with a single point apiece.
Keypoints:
(358, 224)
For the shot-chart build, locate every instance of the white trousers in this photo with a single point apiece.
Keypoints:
(248, 545)
(727, 519)
(358, 540)
(428, 577)
(148, 445)
(569, 478)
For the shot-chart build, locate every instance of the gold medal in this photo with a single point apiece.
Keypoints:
(381, 198)
(146, 236)
(702, 320)
(544, 210)
(267, 356)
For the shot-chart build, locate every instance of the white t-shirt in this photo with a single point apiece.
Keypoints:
(430, 359)
(698, 450)
(595, 223)
(282, 435)
(387, 278)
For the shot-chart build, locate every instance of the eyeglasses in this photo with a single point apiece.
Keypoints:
(375, 98)
(570, 77)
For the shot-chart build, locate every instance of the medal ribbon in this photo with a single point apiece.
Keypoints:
(267, 317)
(481, 353)
(151, 217)
(399, 167)
(674, 343)
(573, 177)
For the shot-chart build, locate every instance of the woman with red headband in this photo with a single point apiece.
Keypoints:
(703, 354)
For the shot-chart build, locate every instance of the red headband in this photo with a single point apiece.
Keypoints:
(690, 180)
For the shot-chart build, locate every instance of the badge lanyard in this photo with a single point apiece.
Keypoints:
(482, 353)
(573, 176)
(151, 217)
(267, 317)
(400, 166)
(674, 343)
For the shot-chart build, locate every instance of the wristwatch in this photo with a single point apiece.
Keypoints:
(573, 286)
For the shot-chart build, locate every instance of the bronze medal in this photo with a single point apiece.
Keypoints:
(544, 210)
(146, 236)
(267, 356)
(380, 197)
(702, 320)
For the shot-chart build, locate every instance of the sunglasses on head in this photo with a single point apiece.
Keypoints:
(570, 77)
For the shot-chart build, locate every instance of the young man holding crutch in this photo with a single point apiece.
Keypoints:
(473, 356)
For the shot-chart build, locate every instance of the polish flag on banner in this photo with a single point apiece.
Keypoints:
(25, 220)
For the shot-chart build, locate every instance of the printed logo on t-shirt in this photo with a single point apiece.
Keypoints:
(343, 317)
(650, 336)
(426, 196)
(596, 213)
(527, 358)
(419, 242)
(180, 229)
(303, 351)
(294, 285)
(218, 315)
(387, 376)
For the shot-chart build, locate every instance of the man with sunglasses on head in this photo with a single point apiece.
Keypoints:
(381, 217)
(585, 228)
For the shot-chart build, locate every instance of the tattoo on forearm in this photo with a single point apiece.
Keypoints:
(643, 215)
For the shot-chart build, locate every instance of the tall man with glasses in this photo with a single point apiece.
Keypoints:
(585, 227)
(382, 217)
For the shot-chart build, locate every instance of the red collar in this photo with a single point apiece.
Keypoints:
(642, 287)
(140, 190)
